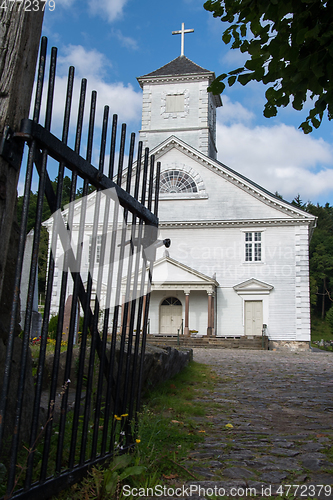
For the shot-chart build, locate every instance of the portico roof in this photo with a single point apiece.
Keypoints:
(170, 274)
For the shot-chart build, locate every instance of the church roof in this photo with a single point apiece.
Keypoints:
(179, 66)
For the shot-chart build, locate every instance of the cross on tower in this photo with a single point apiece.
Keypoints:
(182, 33)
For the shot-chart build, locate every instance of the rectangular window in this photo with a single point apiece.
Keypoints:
(175, 103)
(253, 247)
(98, 248)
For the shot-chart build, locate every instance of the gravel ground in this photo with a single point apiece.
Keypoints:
(269, 424)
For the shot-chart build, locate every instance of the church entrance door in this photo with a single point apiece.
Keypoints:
(170, 316)
(253, 317)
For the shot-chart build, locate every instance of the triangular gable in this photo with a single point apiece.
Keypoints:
(253, 286)
(168, 270)
(230, 175)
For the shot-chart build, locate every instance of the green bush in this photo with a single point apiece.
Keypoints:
(329, 318)
(52, 329)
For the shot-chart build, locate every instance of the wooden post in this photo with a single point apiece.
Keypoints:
(19, 42)
(209, 315)
(187, 304)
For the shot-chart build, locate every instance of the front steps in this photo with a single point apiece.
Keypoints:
(252, 343)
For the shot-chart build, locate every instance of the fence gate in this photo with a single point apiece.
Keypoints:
(78, 406)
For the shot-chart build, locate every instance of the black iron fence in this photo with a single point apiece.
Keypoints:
(74, 404)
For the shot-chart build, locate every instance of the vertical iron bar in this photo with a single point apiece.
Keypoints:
(145, 301)
(74, 296)
(138, 171)
(32, 278)
(110, 375)
(121, 154)
(64, 392)
(54, 377)
(77, 277)
(21, 244)
(132, 303)
(144, 178)
(113, 146)
(137, 337)
(86, 320)
(122, 345)
(130, 163)
(151, 181)
(117, 397)
(98, 292)
(157, 187)
(48, 296)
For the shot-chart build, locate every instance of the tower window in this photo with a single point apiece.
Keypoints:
(176, 181)
(175, 103)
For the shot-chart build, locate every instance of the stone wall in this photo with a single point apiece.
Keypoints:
(159, 364)
(163, 363)
(289, 346)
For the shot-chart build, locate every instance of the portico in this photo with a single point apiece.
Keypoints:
(181, 296)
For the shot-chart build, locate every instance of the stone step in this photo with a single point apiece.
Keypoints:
(257, 343)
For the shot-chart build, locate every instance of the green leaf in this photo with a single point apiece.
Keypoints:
(3, 471)
(231, 80)
(120, 462)
(226, 37)
(300, 38)
(288, 44)
(270, 110)
(216, 87)
(110, 481)
(315, 122)
(132, 471)
(236, 71)
(243, 30)
(245, 78)
(306, 127)
(297, 103)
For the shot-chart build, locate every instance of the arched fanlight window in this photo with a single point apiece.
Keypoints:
(177, 181)
(171, 301)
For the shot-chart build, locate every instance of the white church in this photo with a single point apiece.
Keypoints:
(238, 261)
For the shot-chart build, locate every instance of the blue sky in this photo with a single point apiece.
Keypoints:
(111, 42)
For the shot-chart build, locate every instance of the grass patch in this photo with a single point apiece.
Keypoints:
(168, 431)
(320, 330)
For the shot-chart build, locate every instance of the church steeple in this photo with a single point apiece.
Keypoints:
(176, 102)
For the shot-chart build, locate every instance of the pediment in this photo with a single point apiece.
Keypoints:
(242, 183)
(253, 286)
(168, 270)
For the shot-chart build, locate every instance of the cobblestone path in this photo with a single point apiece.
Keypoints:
(280, 407)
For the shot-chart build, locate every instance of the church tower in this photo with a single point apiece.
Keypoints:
(176, 102)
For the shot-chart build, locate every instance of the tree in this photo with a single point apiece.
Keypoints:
(290, 48)
(321, 257)
(44, 235)
(20, 31)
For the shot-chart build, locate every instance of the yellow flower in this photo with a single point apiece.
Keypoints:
(229, 426)
(138, 441)
(117, 418)
(124, 415)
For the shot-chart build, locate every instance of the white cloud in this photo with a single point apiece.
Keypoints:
(126, 41)
(279, 158)
(87, 62)
(234, 112)
(110, 9)
(121, 98)
(234, 58)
